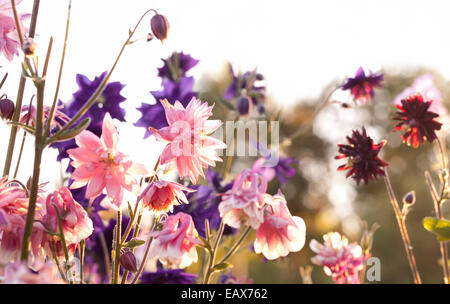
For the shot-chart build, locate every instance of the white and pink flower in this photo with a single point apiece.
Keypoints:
(76, 224)
(244, 203)
(189, 145)
(162, 195)
(340, 260)
(175, 244)
(280, 233)
(100, 165)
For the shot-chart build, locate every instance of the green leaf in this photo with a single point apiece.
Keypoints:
(134, 243)
(27, 128)
(222, 266)
(71, 133)
(439, 227)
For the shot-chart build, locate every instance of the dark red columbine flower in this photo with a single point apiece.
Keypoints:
(362, 86)
(363, 162)
(416, 120)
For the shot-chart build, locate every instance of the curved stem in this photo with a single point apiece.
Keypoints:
(61, 65)
(235, 246)
(23, 139)
(403, 230)
(101, 87)
(213, 253)
(144, 260)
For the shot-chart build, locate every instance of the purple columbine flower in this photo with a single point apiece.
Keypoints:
(154, 115)
(247, 82)
(108, 101)
(204, 203)
(176, 66)
(168, 276)
(175, 86)
(362, 86)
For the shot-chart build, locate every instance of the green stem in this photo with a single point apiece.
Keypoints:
(18, 109)
(403, 230)
(39, 148)
(61, 65)
(213, 253)
(82, 248)
(100, 88)
(235, 246)
(117, 249)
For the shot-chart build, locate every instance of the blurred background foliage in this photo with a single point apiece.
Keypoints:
(314, 191)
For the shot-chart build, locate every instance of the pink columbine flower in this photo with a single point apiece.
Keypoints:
(280, 233)
(9, 39)
(189, 146)
(19, 273)
(162, 195)
(76, 224)
(28, 116)
(175, 244)
(244, 203)
(340, 260)
(100, 165)
(13, 210)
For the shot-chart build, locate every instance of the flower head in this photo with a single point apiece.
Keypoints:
(246, 84)
(9, 39)
(28, 116)
(76, 223)
(362, 85)
(160, 26)
(280, 233)
(175, 244)
(99, 164)
(244, 203)
(108, 102)
(7, 108)
(341, 260)
(176, 86)
(189, 145)
(417, 120)
(363, 161)
(176, 66)
(162, 195)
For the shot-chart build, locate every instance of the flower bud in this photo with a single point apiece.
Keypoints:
(160, 26)
(29, 47)
(6, 109)
(409, 198)
(128, 261)
(244, 105)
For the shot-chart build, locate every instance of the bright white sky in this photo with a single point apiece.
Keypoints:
(299, 46)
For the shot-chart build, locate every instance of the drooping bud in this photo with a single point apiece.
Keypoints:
(409, 198)
(29, 47)
(128, 261)
(160, 26)
(6, 109)
(244, 105)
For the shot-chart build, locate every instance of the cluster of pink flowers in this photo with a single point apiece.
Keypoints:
(247, 203)
(9, 39)
(340, 260)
